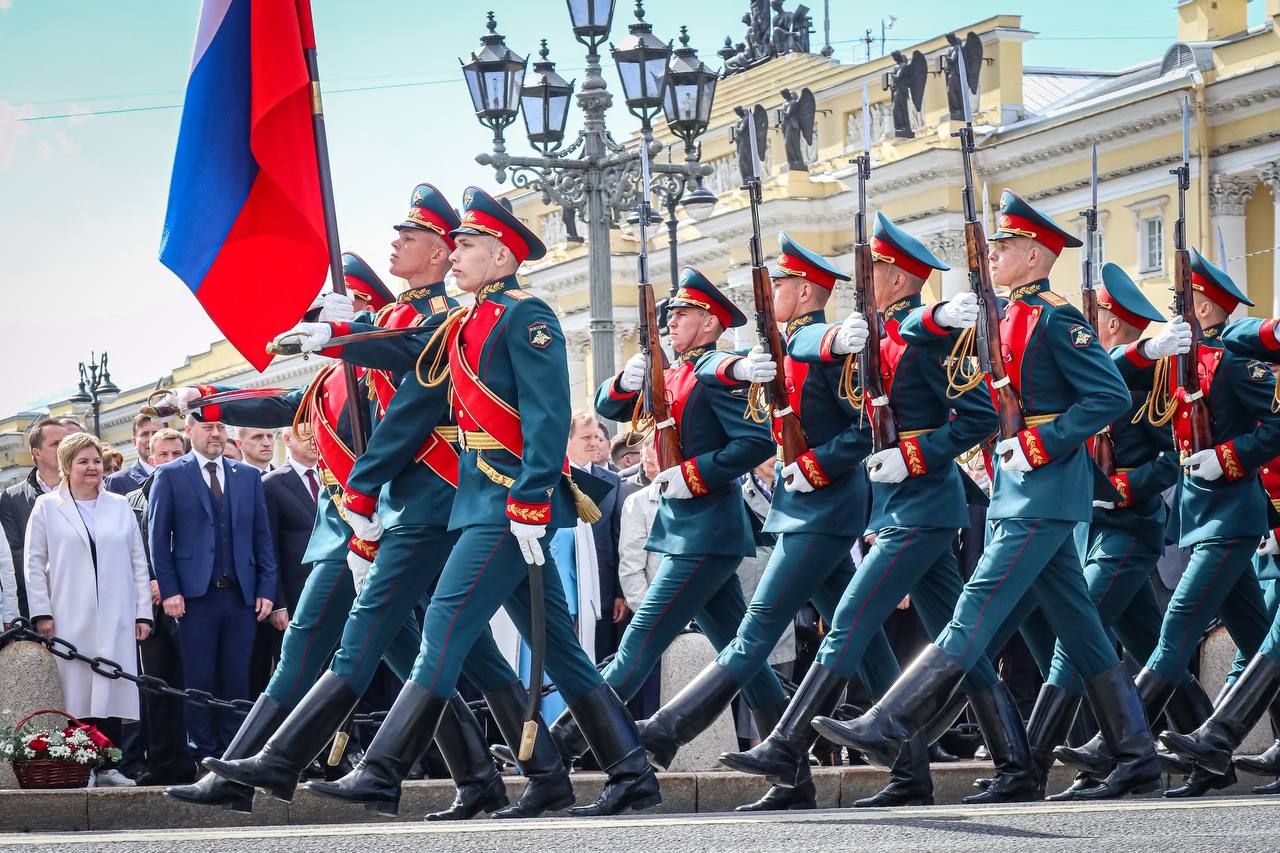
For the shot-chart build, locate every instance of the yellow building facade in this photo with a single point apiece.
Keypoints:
(1034, 128)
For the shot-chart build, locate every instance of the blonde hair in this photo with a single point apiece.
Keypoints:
(166, 434)
(69, 448)
(111, 456)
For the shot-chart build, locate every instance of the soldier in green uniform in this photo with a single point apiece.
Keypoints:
(817, 496)
(701, 527)
(919, 500)
(1069, 390)
(506, 358)
(1221, 508)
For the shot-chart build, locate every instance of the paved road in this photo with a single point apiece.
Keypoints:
(1238, 825)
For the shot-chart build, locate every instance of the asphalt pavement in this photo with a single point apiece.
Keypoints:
(1235, 824)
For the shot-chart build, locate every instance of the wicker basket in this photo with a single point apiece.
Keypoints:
(41, 773)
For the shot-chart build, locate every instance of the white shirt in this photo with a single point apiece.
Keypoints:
(88, 510)
(147, 468)
(301, 471)
(203, 460)
(45, 487)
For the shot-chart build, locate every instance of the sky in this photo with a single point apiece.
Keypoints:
(90, 100)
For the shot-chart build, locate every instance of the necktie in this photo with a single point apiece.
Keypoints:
(214, 485)
(313, 485)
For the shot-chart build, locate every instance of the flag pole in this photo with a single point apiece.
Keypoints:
(357, 412)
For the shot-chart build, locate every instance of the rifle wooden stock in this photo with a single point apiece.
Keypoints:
(1189, 362)
(990, 350)
(787, 425)
(666, 438)
(884, 423)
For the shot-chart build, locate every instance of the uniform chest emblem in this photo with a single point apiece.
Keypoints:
(539, 335)
(1081, 336)
(1259, 372)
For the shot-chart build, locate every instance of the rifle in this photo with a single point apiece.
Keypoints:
(1183, 303)
(652, 407)
(1104, 448)
(786, 424)
(986, 334)
(884, 425)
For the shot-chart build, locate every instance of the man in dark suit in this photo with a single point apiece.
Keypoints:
(212, 555)
(16, 501)
(125, 481)
(585, 441)
(164, 735)
(291, 492)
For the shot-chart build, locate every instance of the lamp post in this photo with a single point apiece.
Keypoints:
(594, 177)
(95, 389)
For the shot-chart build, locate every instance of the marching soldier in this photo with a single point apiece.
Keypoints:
(1069, 390)
(506, 359)
(1222, 514)
(811, 511)
(919, 500)
(1221, 510)
(420, 475)
(701, 527)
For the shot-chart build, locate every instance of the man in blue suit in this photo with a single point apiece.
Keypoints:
(123, 482)
(212, 556)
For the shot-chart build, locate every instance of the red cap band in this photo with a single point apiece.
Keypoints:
(1105, 301)
(888, 253)
(1215, 294)
(1013, 224)
(792, 265)
(486, 224)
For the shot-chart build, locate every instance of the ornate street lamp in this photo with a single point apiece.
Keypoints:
(494, 76)
(594, 178)
(642, 66)
(95, 389)
(545, 102)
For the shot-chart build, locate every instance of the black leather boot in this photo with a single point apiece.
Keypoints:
(1211, 745)
(300, 738)
(918, 695)
(611, 734)
(1126, 736)
(1188, 707)
(1266, 763)
(1154, 691)
(401, 739)
(802, 795)
(1006, 739)
(1200, 782)
(688, 714)
(548, 788)
(783, 756)
(910, 783)
(466, 754)
(1269, 788)
(213, 790)
(1050, 725)
(1082, 782)
(566, 734)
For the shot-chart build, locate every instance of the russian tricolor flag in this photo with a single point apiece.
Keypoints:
(245, 225)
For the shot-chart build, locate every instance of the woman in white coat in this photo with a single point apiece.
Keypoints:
(88, 583)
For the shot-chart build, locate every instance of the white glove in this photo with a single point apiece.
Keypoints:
(1204, 465)
(632, 376)
(887, 466)
(1016, 460)
(359, 568)
(1175, 339)
(338, 308)
(309, 337)
(757, 367)
(527, 536)
(960, 313)
(852, 336)
(1104, 505)
(180, 398)
(672, 485)
(1270, 546)
(366, 527)
(794, 480)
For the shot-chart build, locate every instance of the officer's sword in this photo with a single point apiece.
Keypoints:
(155, 409)
(294, 347)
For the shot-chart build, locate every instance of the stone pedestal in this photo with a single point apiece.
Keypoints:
(28, 681)
(1216, 658)
(686, 657)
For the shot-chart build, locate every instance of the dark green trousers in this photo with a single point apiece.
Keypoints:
(1219, 581)
(919, 561)
(702, 588)
(485, 571)
(803, 567)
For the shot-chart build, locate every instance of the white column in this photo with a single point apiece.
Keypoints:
(1228, 195)
(1269, 174)
(949, 246)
